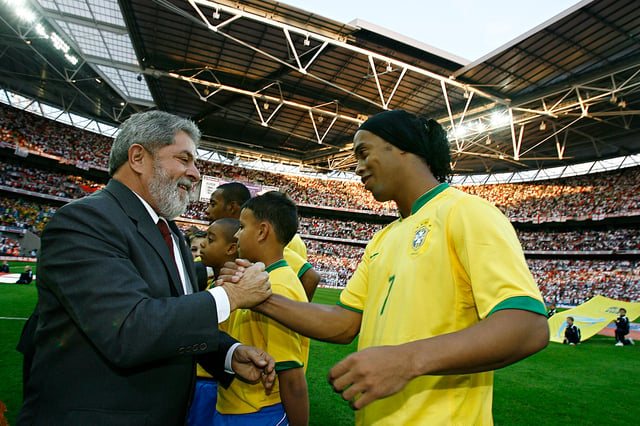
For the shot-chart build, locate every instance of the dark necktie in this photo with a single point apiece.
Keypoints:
(164, 229)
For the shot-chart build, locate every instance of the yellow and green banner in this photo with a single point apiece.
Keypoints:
(591, 317)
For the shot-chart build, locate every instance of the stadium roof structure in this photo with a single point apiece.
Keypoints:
(265, 80)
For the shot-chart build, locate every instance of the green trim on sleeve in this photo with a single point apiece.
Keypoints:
(304, 269)
(348, 307)
(275, 265)
(287, 365)
(524, 303)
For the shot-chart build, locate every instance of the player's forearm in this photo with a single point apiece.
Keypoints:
(329, 323)
(294, 395)
(504, 338)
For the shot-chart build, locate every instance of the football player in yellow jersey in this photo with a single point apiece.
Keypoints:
(227, 201)
(442, 296)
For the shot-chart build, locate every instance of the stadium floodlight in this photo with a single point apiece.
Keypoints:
(71, 58)
(480, 126)
(499, 119)
(58, 43)
(25, 14)
(461, 131)
(41, 31)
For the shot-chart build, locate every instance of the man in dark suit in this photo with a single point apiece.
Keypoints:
(121, 323)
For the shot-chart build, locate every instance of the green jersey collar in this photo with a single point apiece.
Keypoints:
(275, 265)
(425, 198)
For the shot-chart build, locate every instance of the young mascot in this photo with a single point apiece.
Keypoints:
(267, 223)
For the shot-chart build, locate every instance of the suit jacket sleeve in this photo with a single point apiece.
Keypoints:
(108, 270)
(213, 362)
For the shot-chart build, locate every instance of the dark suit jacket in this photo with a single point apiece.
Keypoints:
(116, 341)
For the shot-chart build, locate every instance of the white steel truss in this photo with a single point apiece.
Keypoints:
(576, 100)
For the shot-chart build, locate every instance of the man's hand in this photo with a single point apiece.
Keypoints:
(370, 374)
(253, 364)
(232, 271)
(250, 287)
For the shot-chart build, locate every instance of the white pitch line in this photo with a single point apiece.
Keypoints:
(13, 318)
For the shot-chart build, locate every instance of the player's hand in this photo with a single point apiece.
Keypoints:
(232, 271)
(253, 364)
(251, 288)
(371, 374)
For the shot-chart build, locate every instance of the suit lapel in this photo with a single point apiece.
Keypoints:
(147, 229)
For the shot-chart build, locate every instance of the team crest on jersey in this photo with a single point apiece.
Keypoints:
(420, 236)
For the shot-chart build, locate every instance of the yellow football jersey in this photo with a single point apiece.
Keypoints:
(297, 245)
(296, 262)
(448, 265)
(289, 349)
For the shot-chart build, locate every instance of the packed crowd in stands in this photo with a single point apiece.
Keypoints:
(572, 281)
(581, 240)
(44, 182)
(305, 190)
(593, 196)
(39, 134)
(9, 246)
(334, 261)
(26, 215)
(332, 228)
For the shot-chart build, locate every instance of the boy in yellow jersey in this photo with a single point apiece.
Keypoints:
(267, 224)
(227, 201)
(442, 296)
(219, 246)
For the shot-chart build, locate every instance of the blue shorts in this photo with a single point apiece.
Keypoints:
(273, 415)
(203, 405)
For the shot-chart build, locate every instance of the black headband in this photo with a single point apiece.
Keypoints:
(400, 128)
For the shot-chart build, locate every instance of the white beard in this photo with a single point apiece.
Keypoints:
(170, 200)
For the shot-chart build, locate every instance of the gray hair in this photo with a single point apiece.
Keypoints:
(152, 130)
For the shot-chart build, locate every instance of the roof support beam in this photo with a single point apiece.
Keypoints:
(264, 97)
(198, 5)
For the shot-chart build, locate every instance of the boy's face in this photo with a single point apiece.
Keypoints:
(622, 312)
(569, 321)
(247, 235)
(214, 250)
(196, 246)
